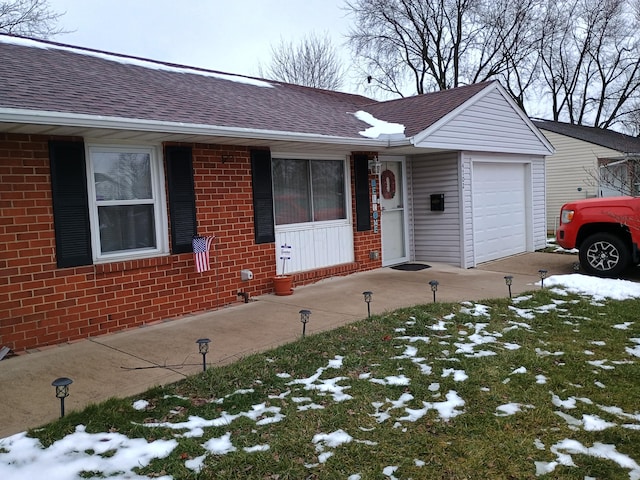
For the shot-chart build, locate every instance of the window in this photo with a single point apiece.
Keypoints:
(125, 201)
(308, 190)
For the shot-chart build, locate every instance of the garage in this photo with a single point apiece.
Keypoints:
(499, 210)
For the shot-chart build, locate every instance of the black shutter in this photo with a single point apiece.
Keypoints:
(363, 205)
(182, 199)
(70, 204)
(262, 196)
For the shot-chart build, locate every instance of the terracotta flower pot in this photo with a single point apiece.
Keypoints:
(282, 284)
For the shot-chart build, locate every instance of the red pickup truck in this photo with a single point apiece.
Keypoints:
(606, 232)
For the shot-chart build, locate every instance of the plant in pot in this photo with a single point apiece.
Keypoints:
(282, 283)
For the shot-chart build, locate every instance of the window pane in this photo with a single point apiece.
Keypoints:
(126, 227)
(327, 180)
(122, 176)
(291, 191)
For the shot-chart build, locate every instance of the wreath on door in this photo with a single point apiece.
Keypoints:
(388, 184)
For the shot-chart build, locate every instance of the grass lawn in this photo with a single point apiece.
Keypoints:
(546, 385)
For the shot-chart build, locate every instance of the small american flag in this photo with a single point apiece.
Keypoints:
(201, 247)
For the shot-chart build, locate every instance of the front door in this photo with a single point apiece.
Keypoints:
(392, 211)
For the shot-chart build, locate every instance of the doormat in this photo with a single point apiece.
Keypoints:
(411, 267)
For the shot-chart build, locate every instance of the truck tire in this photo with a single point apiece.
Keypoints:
(604, 255)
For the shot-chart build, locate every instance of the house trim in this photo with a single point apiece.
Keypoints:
(33, 117)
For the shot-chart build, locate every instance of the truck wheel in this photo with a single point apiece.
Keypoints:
(604, 255)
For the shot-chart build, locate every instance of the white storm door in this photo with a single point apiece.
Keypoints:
(392, 197)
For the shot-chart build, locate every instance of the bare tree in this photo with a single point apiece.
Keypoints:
(30, 18)
(313, 62)
(589, 61)
(440, 44)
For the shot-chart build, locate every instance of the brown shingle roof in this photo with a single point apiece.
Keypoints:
(421, 111)
(599, 136)
(46, 76)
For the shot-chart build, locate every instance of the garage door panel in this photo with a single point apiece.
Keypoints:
(499, 210)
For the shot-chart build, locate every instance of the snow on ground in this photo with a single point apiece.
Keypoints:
(115, 455)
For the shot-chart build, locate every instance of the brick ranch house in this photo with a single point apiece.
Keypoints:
(109, 165)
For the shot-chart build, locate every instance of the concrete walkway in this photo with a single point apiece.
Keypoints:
(130, 362)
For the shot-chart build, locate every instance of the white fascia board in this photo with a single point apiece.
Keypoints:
(42, 117)
(422, 136)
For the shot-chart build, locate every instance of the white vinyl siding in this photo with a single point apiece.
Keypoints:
(571, 172)
(315, 246)
(490, 124)
(436, 235)
(539, 201)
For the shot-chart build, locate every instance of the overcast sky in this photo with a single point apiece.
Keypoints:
(227, 35)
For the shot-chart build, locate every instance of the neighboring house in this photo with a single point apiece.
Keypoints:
(109, 165)
(588, 162)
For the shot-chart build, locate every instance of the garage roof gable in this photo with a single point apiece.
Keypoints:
(490, 121)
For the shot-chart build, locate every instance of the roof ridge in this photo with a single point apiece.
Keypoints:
(124, 56)
(436, 92)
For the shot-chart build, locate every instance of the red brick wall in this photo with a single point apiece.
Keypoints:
(41, 304)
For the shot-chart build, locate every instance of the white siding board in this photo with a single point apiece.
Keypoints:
(315, 245)
(468, 252)
(539, 201)
(436, 235)
(489, 124)
(573, 166)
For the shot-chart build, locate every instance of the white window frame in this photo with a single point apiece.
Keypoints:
(346, 186)
(159, 203)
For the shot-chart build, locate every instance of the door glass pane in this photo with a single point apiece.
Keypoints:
(327, 179)
(126, 227)
(122, 176)
(291, 191)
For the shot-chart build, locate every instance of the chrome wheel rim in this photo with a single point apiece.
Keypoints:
(603, 256)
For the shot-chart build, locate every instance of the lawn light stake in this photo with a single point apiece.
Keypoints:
(367, 298)
(62, 391)
(543, 274)
(304, 318)
(203, 348)
(508, 279)
(434, 288)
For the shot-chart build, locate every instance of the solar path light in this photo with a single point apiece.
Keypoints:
(543, 274)
(434, 288)
(62, 391)
(367, 298)
(304, 318)
(508, 279)
(203, 348)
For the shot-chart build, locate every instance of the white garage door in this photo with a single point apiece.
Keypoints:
(499, 210)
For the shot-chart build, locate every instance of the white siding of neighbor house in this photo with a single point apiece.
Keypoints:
(535, 191)
(573, 166)
(490, 124)
(436, 236)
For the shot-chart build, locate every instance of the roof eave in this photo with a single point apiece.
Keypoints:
(42, 117)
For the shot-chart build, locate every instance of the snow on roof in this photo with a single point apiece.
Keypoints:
(379, 128)
(140, 62)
